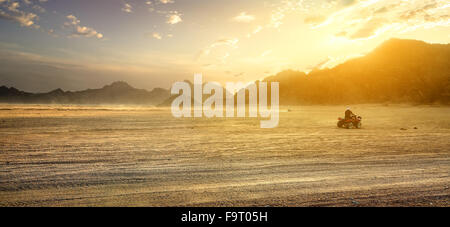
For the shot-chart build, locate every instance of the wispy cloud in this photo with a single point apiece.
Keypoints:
(258, 29)
(244, 18)
(227, 42)
(366, 19)
(231, 43)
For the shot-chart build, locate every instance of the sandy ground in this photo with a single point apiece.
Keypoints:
(135, 156)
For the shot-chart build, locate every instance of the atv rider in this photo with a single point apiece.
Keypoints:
(348, 114)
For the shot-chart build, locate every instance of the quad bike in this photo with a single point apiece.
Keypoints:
(353, 122)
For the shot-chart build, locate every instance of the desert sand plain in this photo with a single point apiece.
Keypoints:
(68, 155)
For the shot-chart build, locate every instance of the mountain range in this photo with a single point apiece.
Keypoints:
(398, 71)
(116, 93)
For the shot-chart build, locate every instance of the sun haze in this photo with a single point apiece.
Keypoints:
(153, 43)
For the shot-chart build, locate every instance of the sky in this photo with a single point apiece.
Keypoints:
(79, 44)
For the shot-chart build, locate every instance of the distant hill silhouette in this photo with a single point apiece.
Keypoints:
(168, 102)
(397, 71)
(115, 93)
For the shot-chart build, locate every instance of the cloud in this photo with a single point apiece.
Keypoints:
(174, 18)
(413, 13)
(13, 6)
(39, 8)
(366, 19)
(72, 20)
(81, 31)
(227, 42)
(166, 1)
(368, 29)
(10, 11)
(319, 65)
(283, 8)
(258, 29)
(127, 8)
(230, 43)
(362, 19)
(156, 35)
(244, 18)
(87, 32)
(24, 19)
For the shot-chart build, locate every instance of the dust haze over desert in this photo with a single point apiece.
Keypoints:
(88, 103)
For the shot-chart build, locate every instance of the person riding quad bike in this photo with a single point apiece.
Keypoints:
(350, 120)
(348, 114)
